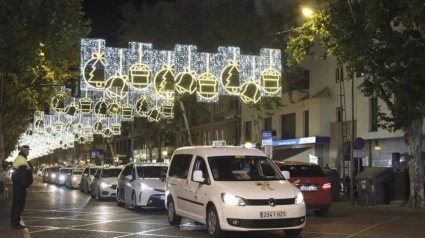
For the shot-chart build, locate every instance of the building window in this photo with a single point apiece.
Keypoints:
(268, 124)
(248, 131)
(288, 126)
(306, 124)
(339, 114)
(339, 74)
(374, 114)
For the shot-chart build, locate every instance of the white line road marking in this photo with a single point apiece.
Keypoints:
(143, 232)
(50, 229)
(79, 229)
(373, 226)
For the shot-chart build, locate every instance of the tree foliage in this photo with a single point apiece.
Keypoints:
(385, 40)
(39, 41)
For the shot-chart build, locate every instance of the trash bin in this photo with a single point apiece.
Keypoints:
(402, 185)
(333, 177)
(375, 186)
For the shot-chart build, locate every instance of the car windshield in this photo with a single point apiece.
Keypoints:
(64, 171)
(151, 171)
(303, 170)
(93, 171)
(54, 170)
(77, 172)
(110, 173)
(243, 168)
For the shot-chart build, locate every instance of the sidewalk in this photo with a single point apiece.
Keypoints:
(5, 205)
(393, 206)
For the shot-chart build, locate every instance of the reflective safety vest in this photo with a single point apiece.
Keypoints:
(20, 161)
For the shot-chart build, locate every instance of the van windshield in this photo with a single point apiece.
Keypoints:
(243, 168)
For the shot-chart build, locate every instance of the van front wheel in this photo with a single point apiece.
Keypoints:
(213, 223)
(173, 218)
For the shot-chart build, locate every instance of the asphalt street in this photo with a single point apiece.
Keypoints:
(60, 212)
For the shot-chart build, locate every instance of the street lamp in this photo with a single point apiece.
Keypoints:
(307, 11)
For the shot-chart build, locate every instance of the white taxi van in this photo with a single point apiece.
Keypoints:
(232, 189)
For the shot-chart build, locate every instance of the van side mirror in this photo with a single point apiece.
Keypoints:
(85, 174)
(198, 176)
(286, 174)
(129, 177)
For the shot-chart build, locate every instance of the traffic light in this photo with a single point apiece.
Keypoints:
(74, 85)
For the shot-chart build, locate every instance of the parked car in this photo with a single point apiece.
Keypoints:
(142, 185)
(73, 178)
(52, 173)
(312, 182)
(104, 183)
(87, 178)
(232, 189)
(61, 176)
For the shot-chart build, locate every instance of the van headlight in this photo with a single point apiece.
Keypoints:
(104, 185)
(145, 187)
(61, 177)
(53, 175)
(74, 178)
(299, 199)
(232, 200)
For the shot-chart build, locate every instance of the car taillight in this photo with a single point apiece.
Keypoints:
(326, 186)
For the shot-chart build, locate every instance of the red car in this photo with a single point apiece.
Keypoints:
(312, 182)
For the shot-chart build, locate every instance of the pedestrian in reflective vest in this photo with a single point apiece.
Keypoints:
(22, 179)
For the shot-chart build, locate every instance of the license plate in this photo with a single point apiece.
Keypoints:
(308, 188)
(162, 197)
(272, 214)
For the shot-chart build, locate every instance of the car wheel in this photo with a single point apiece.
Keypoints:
(119, 203)
(293, 232)
(173, 218)
(134, 201)
(213, 223)
(322, 212)
(99, 198)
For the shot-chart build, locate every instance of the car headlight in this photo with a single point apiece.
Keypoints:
(232, 200)
(299, 199)
(74, 178)
(61, 177)
(104, 185)
(11, 171)
(145, 187)
(53, 175)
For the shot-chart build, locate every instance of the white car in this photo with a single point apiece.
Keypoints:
(74, 178)
(142, 185)
(87, 177)
(104, 182)
(232, 189)
(61, 176)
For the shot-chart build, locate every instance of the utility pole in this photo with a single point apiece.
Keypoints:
(352, 122)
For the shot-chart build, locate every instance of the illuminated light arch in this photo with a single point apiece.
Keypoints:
(230, 78)
(58, 125)
(39, 124)
(116, 128)
(142, 106)
(164, 82)
(186, 82)
(98, 127)
(250, 92)
(85, 105)
(270, 81)
(207, 86)
(127, 111)
(107, 132)
(167, 109)
(140, 76)
(58, 102)
(101, 108)
(154, 115)
(116, 87)
(94, 68)
(113, 108)
(71, 110)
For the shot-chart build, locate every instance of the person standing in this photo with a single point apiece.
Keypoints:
(22, 179)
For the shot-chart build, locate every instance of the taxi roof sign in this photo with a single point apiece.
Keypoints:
(219, 143)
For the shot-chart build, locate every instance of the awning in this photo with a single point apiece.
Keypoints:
(294, 154)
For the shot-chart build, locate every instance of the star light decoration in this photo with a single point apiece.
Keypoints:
(119, 84)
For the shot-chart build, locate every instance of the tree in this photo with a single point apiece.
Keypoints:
(389, 48)
(41, 47)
